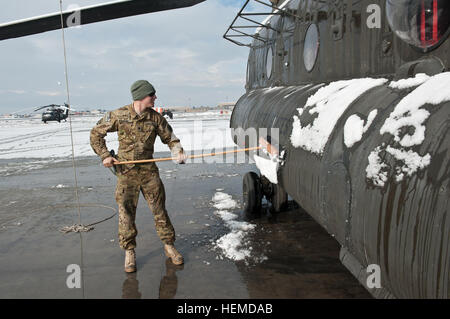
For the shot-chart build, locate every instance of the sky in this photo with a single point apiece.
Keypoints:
(181, 52)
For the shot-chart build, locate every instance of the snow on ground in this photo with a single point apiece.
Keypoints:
(329, 103)
(31, 138)
(233, 245)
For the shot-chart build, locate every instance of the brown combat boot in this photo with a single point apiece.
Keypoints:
(130, 260)
(173, 254)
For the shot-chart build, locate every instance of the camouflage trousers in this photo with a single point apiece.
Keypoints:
(129, 186)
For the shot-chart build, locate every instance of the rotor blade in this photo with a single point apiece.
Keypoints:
(43, 107)
(22, 110)
(90, 14)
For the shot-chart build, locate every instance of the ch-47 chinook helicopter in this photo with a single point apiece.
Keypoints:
(54, 112)
(358, 93)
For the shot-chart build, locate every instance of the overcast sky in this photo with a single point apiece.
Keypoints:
(182, 52)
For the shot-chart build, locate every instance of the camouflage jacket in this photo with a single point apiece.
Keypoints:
(136, 133)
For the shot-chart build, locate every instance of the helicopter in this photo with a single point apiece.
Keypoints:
(54, 112)
(355, 95)
(350, 101)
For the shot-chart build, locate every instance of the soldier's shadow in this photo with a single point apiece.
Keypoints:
(167, 287)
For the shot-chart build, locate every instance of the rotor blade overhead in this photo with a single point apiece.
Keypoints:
(43, 107)
(90, 14)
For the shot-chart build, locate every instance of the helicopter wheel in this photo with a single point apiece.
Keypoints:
(279, 198)
(275, 194)
(252, 193)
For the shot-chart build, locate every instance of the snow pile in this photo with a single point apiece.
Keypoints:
(232, 244)
(354, 128)
(409, 113)
(329, 103)
(223, 201)
(419, 79)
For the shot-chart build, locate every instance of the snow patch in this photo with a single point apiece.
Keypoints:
(354, 128)
(419, 79)
(233, 244)
(408, 113)
(412, 161)
(329, 103)
(376, 170)
(267, 167)
(223, 201)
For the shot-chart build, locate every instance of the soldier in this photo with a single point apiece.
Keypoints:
(137, 125)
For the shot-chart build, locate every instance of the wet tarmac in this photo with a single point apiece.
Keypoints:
(292, 256)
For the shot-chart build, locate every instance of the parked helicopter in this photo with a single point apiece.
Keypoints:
(358, 93)
(54, 112)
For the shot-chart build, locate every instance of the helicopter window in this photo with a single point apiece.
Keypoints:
(311, 48)
(269, 60)
(421, 23)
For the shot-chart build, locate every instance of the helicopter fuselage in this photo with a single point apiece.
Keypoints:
(362, 116)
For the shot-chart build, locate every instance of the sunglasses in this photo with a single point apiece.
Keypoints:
(151, 94)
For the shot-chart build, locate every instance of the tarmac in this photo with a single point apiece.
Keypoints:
(37, 260)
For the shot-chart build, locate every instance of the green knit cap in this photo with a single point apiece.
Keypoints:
(140, 89)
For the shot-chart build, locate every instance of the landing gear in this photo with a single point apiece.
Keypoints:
(279, 198)
(251, 190)
(255, 187)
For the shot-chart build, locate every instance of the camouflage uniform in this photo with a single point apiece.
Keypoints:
(137, 135)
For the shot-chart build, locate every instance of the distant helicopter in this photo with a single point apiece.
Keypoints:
(357, 94)
(54, 112)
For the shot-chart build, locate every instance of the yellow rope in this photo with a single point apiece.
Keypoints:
(189, 157)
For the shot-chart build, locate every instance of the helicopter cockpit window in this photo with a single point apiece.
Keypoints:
(421, 23)
(311, 48)
(269, 60)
